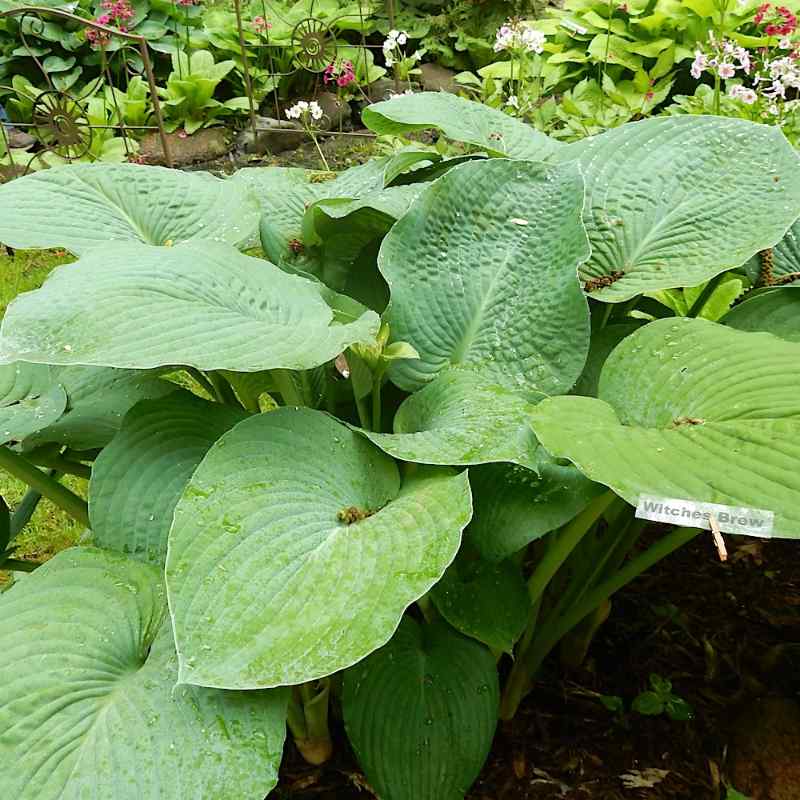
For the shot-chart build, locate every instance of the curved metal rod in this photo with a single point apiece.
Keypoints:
(140, 41)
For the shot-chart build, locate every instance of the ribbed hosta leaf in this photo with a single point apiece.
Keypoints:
(785, 260)
(461, 120)
(341, 239)
(487, 601)
(673, 201)
(295, 550)
(421, 713)
(693, 410)
(29, 400)
(200, 304)
(30, 414)
(482, 274)
(458, 419)
(284, 193)
(82, 206)
(514, 506)
(138, 479)
(774, 311)
(88, 703)
(98, 399)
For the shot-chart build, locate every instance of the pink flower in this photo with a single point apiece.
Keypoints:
(261, 25)
(726, 70)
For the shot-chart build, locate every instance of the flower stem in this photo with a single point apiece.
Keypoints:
(21, 468)
(376, 403)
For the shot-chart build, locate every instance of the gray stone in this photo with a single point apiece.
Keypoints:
(274, 136)
(337, 112)
(204, 145)
(384, 88)
(435, 78)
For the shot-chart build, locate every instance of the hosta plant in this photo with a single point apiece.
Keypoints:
(348, 474)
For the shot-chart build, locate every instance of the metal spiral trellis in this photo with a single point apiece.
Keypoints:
(314, 46)
(59, 117)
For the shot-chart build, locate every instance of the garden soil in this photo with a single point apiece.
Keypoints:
(728, 637)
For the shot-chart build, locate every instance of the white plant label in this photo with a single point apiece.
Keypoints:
(692, 514)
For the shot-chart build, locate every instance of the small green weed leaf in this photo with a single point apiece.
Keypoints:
(690, 409)
(486, 601)
(648, 704)
(775, 311)
(98, 399)
(514, 506)
(665, 209)
(463, 121)
(421, 713)
(89, 705)
(138, 479)
(294, 550)
(199, 304)
(460, 419)
(482, 274)
(81, 206)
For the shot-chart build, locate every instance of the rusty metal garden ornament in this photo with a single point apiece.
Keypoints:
(59, 118)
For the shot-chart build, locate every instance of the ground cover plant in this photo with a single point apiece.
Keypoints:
(386, 469)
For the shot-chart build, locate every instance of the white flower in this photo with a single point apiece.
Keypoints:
(513, 101)
(785, 43)
(699, 64)
(726, 70)
(747, 96)
(303, 109)
(393, 34)
(402, 38)
(389, 61)
(297, 110)
(519, 36)
(743, 55)
(532, 40)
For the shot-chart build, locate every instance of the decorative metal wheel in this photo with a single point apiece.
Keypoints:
(314, 44)
(60, 124)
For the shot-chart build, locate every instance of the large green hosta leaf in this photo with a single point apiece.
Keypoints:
(29, 401)
(295, 550)
(80, 407)
(138, 479)
(785, 259)
(82, 206)
(98, 398)
(482, 273)
(421, 713)
(774, 311)
(463, 121)
(673, 201)
(693, 410)
(200, 304)
(88, 703)
(341, 239)
(459, 419)
(514, 506)
(487, 601)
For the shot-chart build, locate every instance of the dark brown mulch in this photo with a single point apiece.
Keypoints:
(724, 634)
